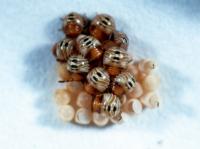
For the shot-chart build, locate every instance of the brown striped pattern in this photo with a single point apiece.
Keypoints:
(111, 104)
(98, 78)
(73, 18)
(77, 64)
(105, 22)
(86, 43)
(64, 48)
(126, 80)
(117, 57)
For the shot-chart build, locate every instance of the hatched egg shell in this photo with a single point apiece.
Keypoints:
(75, 86)
(140, 77)
(147, 66)
(151, 83)
(66, 113)
(84, 100)
(100, 119)
(62, 97)
(123, 99)
(125, 117)
(118, 119)
(133, 106)
(150, 100)
(83, 116)
(137, 92)
(136, 106)
(62, 71)
(132, 68)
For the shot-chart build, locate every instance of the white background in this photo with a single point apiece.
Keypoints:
(167, 31)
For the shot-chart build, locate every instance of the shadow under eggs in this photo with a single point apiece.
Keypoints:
(41, 77)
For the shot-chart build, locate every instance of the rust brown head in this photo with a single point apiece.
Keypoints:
(121, 39)
(102, 27)
(63, 49)
(89, 47)
(73, 24)
(124, 82)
